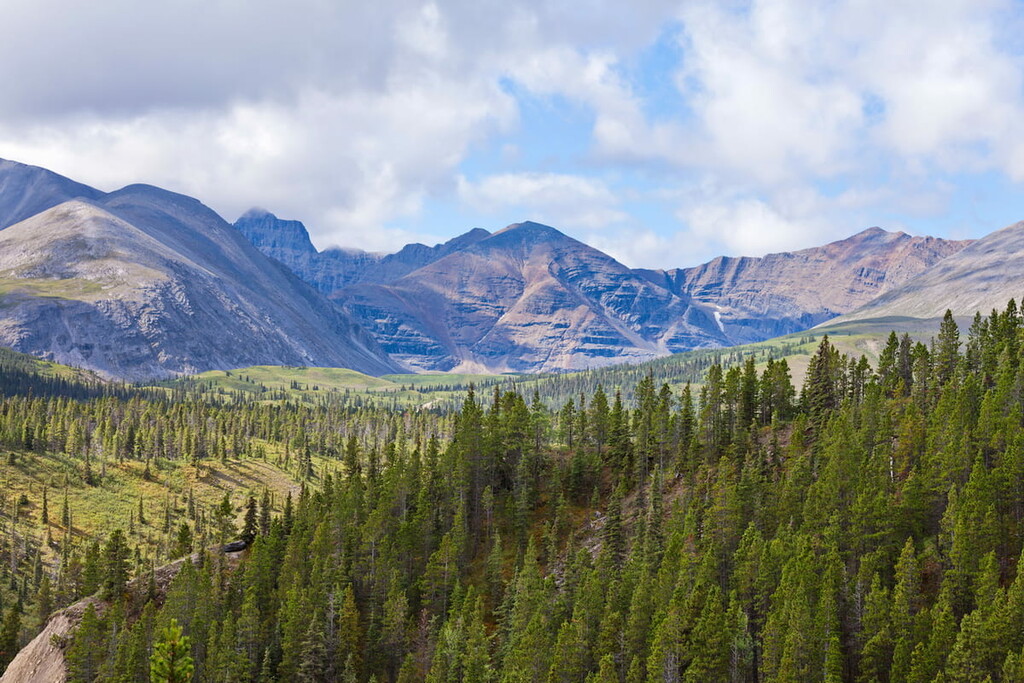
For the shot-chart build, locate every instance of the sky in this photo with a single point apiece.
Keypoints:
(665, 133)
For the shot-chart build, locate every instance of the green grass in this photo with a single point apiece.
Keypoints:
(315, 384)
(284, 378)
(114, 497)
(69, 288)
(435, 379)
(274, 383)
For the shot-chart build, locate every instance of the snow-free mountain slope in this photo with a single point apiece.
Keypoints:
(527, 298)
(145, 283)
(981, 277)
(27, 190)
(334, 268)
(760, 298)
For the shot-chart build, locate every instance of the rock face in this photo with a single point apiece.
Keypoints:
(981, 277)
(527, 298)
(144, 283)
(760, 298)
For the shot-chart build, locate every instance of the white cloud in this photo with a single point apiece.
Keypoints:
(882, 97)
(636, 247)
(354, 116)
(346, 115)
(750, 227)
(766, 107)
(787, 90)
(566, 201)
(945, 82)
(345, 164)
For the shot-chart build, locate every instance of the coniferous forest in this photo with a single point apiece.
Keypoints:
(865, 526)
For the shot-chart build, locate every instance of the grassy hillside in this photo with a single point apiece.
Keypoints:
(65, 288)
(169, 493)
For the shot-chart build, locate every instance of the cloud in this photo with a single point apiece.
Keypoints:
(637, 247)
(346, 115)
(751, 227)
(303, 159)
(766, 106)
(788, 101)
(802, 118)
(345, 154)
(566, 201)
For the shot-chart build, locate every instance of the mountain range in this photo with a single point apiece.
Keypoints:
(143, 283)
(530, 299)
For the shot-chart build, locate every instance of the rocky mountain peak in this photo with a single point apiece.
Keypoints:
(268, 232)
(465, 239)
(144, 283)
(531, 229)
(523, 238)
(983, 275)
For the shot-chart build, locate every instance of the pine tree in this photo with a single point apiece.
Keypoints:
(86, 653)
(947, 349)
(115, 565)
(822, 391)
(44, 600)
(265, 513)
(10, 631)
(224, 516)
(250, 527)
(183, 541)
(313, 664)
(350, 632)
(171, 661)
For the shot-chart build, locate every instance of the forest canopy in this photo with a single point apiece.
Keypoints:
(868, 527)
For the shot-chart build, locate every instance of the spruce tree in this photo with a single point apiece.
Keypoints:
(171, 661)
(115, 565)
(10, 631)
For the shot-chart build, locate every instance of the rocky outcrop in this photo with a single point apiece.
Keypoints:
(144, 283)
(43, 660)
(983, 276)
